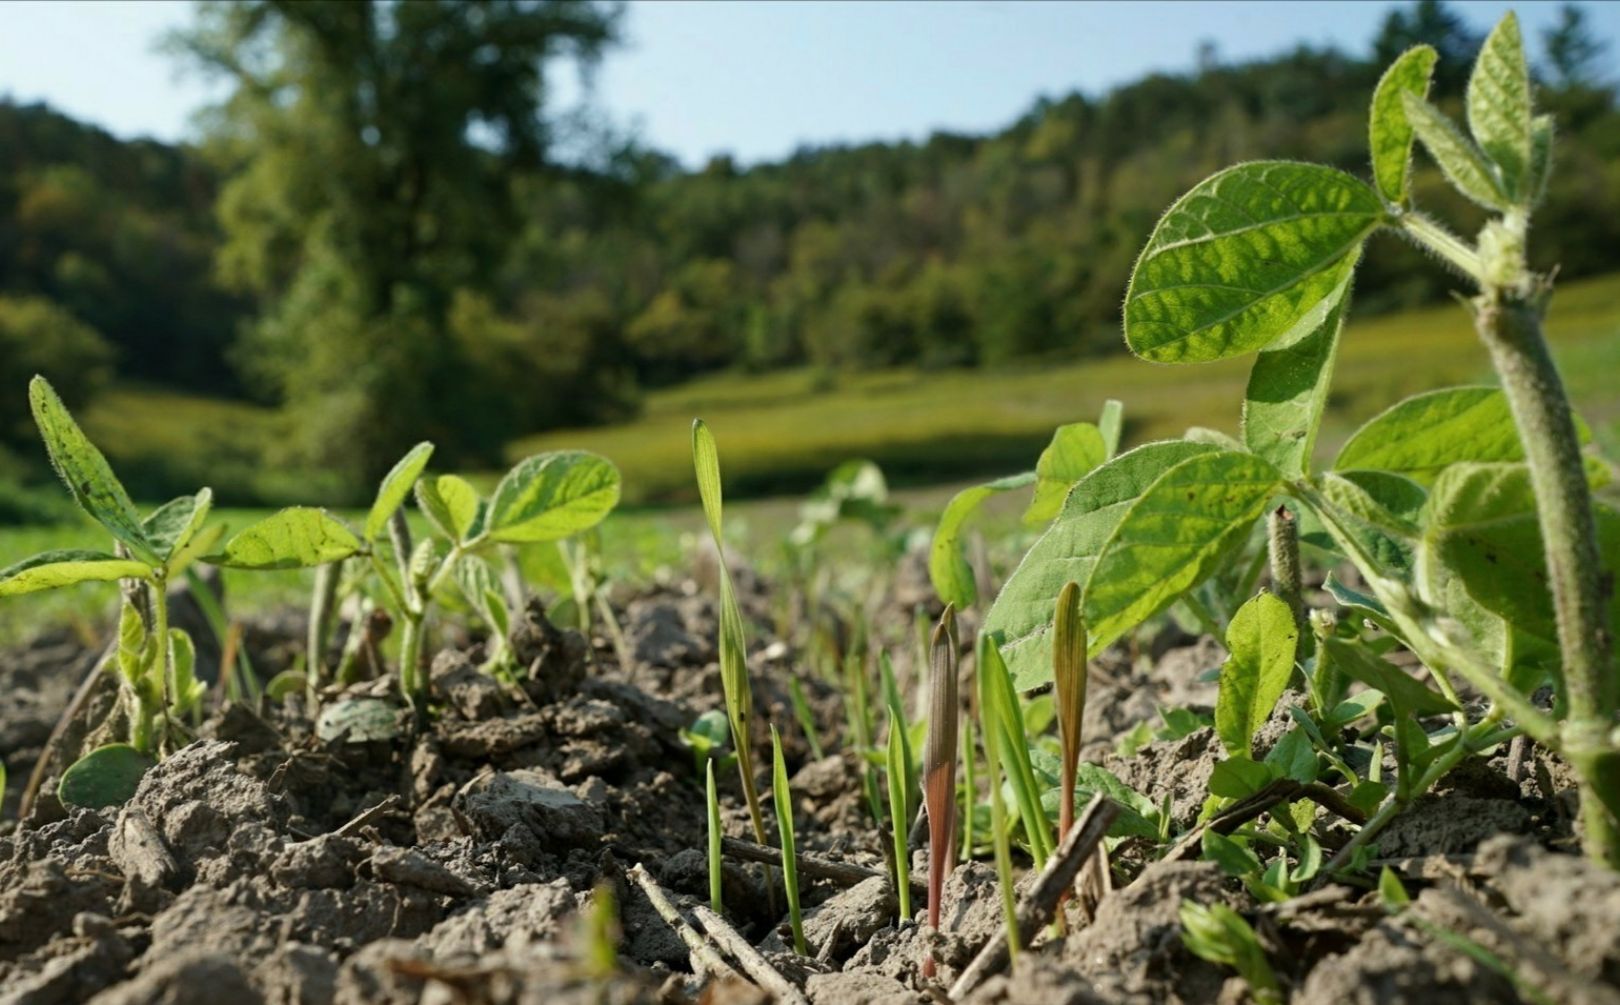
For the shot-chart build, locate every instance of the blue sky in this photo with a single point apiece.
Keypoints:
(759, 79)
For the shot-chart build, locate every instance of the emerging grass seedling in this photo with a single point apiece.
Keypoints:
(783, 798)
(900, 814)
(939, 758)
(716, 901)
(1069, 683)
(1000, 840)
(733, 646)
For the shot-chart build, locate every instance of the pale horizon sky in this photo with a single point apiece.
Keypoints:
(758, 80)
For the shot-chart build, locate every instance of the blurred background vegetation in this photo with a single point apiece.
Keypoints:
(377, 242)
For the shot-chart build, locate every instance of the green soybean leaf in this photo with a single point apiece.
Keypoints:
(88, 476)
(107, 776)
(396, 486)
(1389, 133)
(1075, 450)
(296, 538)
(171, 526)
(135, 649)
(1262, 640)
(1173, 538)
(552, 496)
(1022, 612)
(1541, 144)
(202, 543)
(948, 568)
(1288, 388)
(1407, 695)
(452, 505)
(1243, 258)
(1426, 433)
(1482, 528)
(1499, 104)
(1378, 511)
(52, 569)
(1460, 161)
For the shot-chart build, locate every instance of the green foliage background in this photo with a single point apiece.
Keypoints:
(379, 241)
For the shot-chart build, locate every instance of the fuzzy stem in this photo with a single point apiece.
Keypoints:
(1510, 327)
(321, 607)
(411, 684)
(1442, 243)
(159, 589)
(1287, 580)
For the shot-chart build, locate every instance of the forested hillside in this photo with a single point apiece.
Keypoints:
(551, 294)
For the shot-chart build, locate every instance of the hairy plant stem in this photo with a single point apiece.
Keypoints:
(322, 605)
(1442, 243)
(1287, 580)
(1510, 326)
(159, 590)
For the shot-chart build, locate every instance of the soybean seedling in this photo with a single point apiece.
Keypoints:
(1468, 511)
(783, 798)
(733, 647)
(939, 762)
(154, 662)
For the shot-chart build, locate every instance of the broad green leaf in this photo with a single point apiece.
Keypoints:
(396, 486)
(1294, 756)
(296, 538)
(1022, 612)
(172, 525)
(1239, 777)
(1110, 423)
(1173, 538)
(1243, 258)
(1407, 695)
(1262, 641)
(1499, 105)
(1421, 436)
(1541, 144)
(553, 496)
(52, 569)
(948, 568)
(706, 462)
(1075, 450)
(1378, 511)
(1138, 816)
(452, 505)
(84, 470)
(1460, 161)
(1288, 388)
(1483, 528)
(107, 776)
(1389, 133)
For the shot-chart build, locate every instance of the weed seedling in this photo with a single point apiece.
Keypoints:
(733, 647)
(999, 837)
(783, 798)
(716, 902)
(1220, 935)
(899, 815)
(939, 758)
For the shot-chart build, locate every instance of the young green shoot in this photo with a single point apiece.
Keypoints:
(1220, 935)
(1000, 840)
(899, 815)
(733, 646)
(716, 902)
(939, 758)
(784, 825)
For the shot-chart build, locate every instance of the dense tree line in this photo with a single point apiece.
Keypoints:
(377, 234)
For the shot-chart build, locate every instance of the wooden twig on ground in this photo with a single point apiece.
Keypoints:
(815, 866)
(705, 961)
(753, 963)
(1038, 905)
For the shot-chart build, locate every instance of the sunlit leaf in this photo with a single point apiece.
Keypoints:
(84, 470)
(171, 526)
(1459, 160)
(1262, 641)
(53, 569)
(396, 486)
(295, 538)
(552, 496)
(1389, 132)
(1243, 258)
(1075, 450)
(1499, 105)
(948, 568)
(1288, 389)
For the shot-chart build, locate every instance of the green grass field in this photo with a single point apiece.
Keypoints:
(780, 434)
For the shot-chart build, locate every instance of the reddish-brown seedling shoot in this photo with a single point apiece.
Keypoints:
(939, 762)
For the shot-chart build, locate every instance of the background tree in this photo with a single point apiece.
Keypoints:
(372, 150)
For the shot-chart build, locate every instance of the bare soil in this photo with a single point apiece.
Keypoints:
(455, 860)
